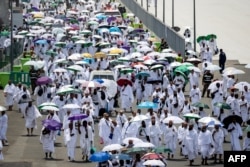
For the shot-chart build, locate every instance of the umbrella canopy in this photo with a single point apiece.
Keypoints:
(71, 106)
(144, 145)
(193, 60)
(87, 55)
(91, 84)
(240, 86)
(65, 90)
(134, 139)
(233, 72)
(162, 150)
(174, 119)
(99, 157)
(75, 68)
(121, 156)
(228, 120)
(111, 87)
(140, 118)
(222, 105)
(199, 104)
(99, 55)
(207, 120)
(191, 115)
(43, 80)
(52, 124)
(147, 104)
(213, 67)
(112, 147)
(136, 151)
(126, 70)
(50, 108)
(157, 66)
(151, 156)
(196, 69)
(77, 117)
(247, 66)
(142, 74)
(154, 163)
(121, 82)
(47, 104)
(211, 36)
(2, 108)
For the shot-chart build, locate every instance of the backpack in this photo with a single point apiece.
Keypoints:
(103, 95)
(40, 91)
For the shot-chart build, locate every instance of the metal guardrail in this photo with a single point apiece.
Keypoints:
(175, 41)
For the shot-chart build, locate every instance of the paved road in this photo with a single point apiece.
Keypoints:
(228, 19)
(27, 151)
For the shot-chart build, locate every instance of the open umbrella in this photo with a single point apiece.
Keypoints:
(194, 60)
(43, 80)
(247, 66)
(111, 87)
(71, 106)
(2, 108)
(233, 72)
(121, 156)
(122, 81)
(142, 74)
(174, 119)
(211, 36)
(50, 108)
(240, 86)
(91, 84)
(112, 147)
(191, 115)
(127, 70)
(140, 118)
(134, 139)
(150, 156)
(99, 55)
(207, 120)
(222, 105)
(133, 151)
(75, 68)
(228, 120)
(201, 38)
(162, 150)
(99, 157)
(157, 66)
(213, 67)
(52, 124)
(144, 145)
(65, 90)
(196, 69)
(147, 105)
(76, 117)
(47, 104)
(200, 104)
(153, 163)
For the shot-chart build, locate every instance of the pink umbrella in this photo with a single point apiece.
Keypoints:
(91, 84)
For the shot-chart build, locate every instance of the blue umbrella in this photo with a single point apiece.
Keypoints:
(103, 30)
(99, 81)
(88, 60)
(147, 104)
(101, 17)
(42, 41)
(114, 29)
(143, 74)
(99, 157)
(121, 156)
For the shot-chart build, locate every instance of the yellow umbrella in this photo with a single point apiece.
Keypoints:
(100, 55)
(38, 15)
(115, 51)
(153, 39)
(87, 55)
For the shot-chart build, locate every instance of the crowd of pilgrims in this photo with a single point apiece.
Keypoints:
(193, 138)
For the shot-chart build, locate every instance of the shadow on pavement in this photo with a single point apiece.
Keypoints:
(16, 164)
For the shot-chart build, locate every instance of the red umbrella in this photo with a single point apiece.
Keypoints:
(123, 81)
(151, 156)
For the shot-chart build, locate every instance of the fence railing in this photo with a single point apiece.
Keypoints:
(175, 41)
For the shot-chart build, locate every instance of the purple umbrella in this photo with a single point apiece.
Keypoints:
(35, 9)
(77, 117)
(110, 19)
(139, 30)
(126, 47)
(52, 124)
(43, 80)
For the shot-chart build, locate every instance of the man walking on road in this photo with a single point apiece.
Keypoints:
(222, 60)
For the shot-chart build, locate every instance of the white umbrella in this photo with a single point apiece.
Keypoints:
(120, 66)
(75, 56)
(71, 106)
(165, 54)
(196, 69)
(2, 108)
(206, 120)
(50, 108)
(153, 163)
(149, 62)
(111, 87)
(75, 68)
(166, 51)
(240, 86)
(228, 68)
(139, 66)
(134, 139)
(36, 64)
(213, 67)
(47, 104)
(153, 54)
(112, 147)
(143, 43)
(140, 118)
(81, 63)
(175, 119)
(191, 115)
(145, 49)
(234, 72)
(175, 64)
(60, 70)
(143, 145)
(157, 66)
(194, 60)
(247, 66)
(213, 84)
(18, 36)
(60, 61)
(136, 54)
(191, 52)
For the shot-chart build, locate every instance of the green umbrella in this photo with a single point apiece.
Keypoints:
(73, 21)
(222, 105)
(247, 129)
(127, 70)
(191, 116)
(93, 23)
(51, 53)
(201, 38)
(86, 32)
(33, 22)
(135, 151)
(162, 150)
(47, 104)
(115, 62)
(5, 33)
(60, 44)
(65, 90)
(199, 104)
(211, 36)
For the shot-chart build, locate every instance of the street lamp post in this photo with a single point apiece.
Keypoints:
(155, 8)
(194, 27)
(11, 35)
(142, 3)
(172, 13)
(147, 5)
(163, 18)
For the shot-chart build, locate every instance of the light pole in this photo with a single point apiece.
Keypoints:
(172, 13)
(194, 27)
(155, 8)
(163, 18)
(147, 5)
(142, 3)
(11, 35)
